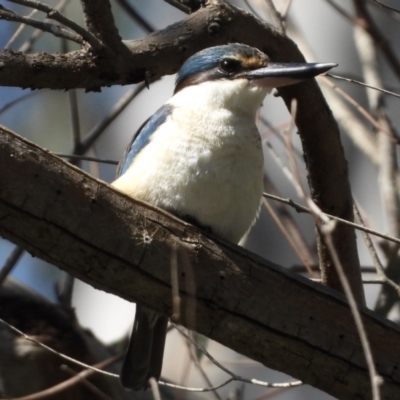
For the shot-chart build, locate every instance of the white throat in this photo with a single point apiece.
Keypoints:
(238, 96)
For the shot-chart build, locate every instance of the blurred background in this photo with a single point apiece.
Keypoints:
(53, 118)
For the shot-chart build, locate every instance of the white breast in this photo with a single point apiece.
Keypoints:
(203, 162)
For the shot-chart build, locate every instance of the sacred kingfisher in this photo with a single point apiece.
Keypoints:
(200, 157)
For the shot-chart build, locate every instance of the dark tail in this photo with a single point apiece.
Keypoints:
(144, 357)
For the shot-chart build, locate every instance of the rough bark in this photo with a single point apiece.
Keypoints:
(122, 246)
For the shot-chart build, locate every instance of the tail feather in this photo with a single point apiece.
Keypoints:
(144, 357)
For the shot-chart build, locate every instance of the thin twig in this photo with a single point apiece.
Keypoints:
(37, 33)
(360, 109)
(286, 10)
(385, 6)
(192, 389)
(379, 39)
(131, 11)
(343, 12)
(363, 84)
(117, 109)
(176, 299)
(85, 382)
(65, 357)
(253, 10)
(374, 255)
(44, 26)
(154, 389)
(299, 208)
(275, 15)
(301, 269)
(53, 13)
(326, 227)
(12, 103)
(18, 31)
(67, 384)
(292, 226)
(11, 262)
(196, 362)
(230, 373)
(177, 4)
(96, 369)
(388, 166)
(284, 168)
(376, 380)
(369, 25)
(86, 158)
(287, 235)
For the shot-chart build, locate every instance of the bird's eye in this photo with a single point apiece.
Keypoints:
(229, 65)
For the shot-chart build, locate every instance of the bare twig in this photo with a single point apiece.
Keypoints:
(12, 103)
(192, 389)
(286, 10)
(275, 15)
(95, 133)
(376, 380)
(131, 11)
(388, 165)
(292, 226)
(179, 5)
(176, 301)
(386, 6)
(10, 263)
(287, 236)
(44, 26)
(85, 382)
(91, 369)
(86, 158)
(230, 373)
(37, 33)
(154, 389)
(65, 357)
(53, 13)
(379, 40)
(367, 23)
(326, 226)
(366, 48)
(360, 109)
(378, 265)
(18, 31)
(54, 390)
(343, 12)
(195, 359)
(364, 84)
(299, 208)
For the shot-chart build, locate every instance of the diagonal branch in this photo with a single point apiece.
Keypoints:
(56, 30)
(53, 13)
(117, 244)
(372, 28)
(136, 17)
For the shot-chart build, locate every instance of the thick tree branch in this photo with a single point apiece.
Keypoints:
(117, 244)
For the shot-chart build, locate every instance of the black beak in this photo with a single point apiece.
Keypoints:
(283, 74)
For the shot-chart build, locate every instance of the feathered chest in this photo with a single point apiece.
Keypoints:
(207, 166)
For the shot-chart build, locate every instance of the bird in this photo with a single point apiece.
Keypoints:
(200, 158)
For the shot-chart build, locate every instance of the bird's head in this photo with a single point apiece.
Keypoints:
(239, 74)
